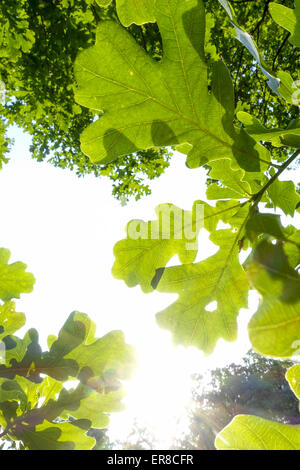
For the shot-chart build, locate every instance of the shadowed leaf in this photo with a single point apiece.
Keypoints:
(142, 98)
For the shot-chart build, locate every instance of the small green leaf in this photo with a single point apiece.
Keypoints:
(133, 11)
(275, 328)
(150, 245)
(97, 406)
(289, 88)
(288, 18)
(232, 184)
(292, 249)
(107, 353)
(219, 281)
(278, 137)
(10, 390)
(13, 278)
(10, 320)
(57, 436)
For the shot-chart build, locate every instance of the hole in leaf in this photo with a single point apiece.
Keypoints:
(222, 226)
(212, 306)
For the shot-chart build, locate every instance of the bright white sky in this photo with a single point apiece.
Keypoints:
(64, 228)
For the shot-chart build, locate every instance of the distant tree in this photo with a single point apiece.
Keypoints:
(257, 386)
(39, 41)
(38, 45)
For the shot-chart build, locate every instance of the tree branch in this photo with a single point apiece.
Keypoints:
(257, 197)
(4, 432)
(280, 49)
(261, 20)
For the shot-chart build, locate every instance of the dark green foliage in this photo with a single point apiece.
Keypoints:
(37, 52)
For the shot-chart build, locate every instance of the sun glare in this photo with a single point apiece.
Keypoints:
(159, 393)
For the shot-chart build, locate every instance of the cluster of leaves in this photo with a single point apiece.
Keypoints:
(186, 100)
(38, 411)
(152, 88)
(248, 432)
(39, 41)
(38, 44)
(256, 386)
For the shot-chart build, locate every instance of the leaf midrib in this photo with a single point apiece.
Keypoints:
(174, 111)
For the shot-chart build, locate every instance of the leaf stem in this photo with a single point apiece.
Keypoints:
(257, 197)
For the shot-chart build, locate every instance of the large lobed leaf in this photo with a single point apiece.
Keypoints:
(230, 183)
(254, 433)
(150, 245)
(216, 279)
(56, 436)
(149, 104)
(10, 320)
(75, 353)
(13, 278)
(278, 137)
(289, 19)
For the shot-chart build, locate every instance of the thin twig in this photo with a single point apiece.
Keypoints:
(280, 49)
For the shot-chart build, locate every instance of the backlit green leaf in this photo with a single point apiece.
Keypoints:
(10, 320)
(133, 11)
(57, 436)
(13, 278)
(210, 293)
(150, 245)
(96, 407)
(278, 137)
(232, 184)
(288, 18)
(254, 433)
(269, 224)
(149, 104)
(283, 195)
(275, 328)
